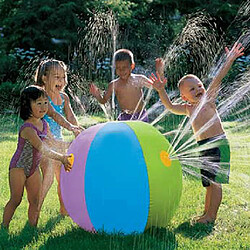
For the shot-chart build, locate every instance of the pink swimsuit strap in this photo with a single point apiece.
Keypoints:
(30, 125)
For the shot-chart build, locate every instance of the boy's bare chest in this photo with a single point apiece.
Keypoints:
(128, 90)
(203, 114)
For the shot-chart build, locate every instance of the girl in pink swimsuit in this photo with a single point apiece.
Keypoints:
(24, 165)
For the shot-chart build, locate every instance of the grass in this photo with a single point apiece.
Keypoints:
(231, 230)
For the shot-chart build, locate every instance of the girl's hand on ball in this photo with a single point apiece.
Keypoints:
(68, 162)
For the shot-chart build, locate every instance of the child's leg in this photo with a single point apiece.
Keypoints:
(33, 187)
(207, 199)
(215, 201)
(57, 173)
(47, 181)
(17, 180)
(207, 203)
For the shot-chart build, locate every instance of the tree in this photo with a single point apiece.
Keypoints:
(47, 25)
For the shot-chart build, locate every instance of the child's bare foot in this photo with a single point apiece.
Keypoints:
(197, 217)
(194, 219)
(205, 219)
(4, 229)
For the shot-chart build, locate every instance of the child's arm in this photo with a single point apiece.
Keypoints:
(31, 135)
(234, 53)
(70, 116)
(53, 143)
(158, 84)
(62, 121)
(96, 93)
(143, 81)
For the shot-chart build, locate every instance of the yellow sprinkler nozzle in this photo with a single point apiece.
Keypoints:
(165, 158)
(71, 160)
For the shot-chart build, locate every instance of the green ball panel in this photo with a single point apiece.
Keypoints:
(165, 182)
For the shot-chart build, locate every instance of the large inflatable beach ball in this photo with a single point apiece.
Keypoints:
(122, 179)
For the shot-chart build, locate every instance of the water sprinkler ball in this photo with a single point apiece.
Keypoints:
(122, 179)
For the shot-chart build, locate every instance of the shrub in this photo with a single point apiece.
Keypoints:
(9, 68)
(9, 96)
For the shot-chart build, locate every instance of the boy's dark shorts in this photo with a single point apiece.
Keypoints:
(142, 116)
(215, 160)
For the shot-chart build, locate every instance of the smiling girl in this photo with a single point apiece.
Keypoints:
(52, 76)
(32, 144)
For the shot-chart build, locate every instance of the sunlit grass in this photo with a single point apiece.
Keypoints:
(231, 230)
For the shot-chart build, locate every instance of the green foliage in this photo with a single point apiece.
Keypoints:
(149, 41)
(9, 68)
(63, 30)
(9, 94)
(241, 66)
(124, 10)
(36, 23)
(194, 50)
(144, 27)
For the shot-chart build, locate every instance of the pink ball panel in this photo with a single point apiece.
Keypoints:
(72, 183)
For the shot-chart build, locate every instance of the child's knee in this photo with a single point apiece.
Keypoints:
(15, 202)
(49, 177)
(34, 201)
(216, 185)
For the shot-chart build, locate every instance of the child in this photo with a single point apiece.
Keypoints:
(58, 118)
(127, 88)
(207, 127)
(24, 165)
(52, 75)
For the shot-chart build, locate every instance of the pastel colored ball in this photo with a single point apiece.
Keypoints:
(122, 178)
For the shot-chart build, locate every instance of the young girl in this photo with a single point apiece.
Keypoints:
(52, 76)
(24, 165)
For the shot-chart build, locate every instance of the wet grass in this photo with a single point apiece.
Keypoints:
(231, 230)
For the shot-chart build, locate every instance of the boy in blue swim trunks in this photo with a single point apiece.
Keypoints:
(207, 127)
(128, 88)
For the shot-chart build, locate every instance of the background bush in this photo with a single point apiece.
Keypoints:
(85, 33)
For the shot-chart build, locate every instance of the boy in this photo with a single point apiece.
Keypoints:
(127, 88)
(207, 128)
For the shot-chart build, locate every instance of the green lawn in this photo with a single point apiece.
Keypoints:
(231, 230)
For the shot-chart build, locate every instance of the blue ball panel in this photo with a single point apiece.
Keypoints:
(116, 181)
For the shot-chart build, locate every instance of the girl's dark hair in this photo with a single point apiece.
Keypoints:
(29, 94)
(124, 55)
(44, 67)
